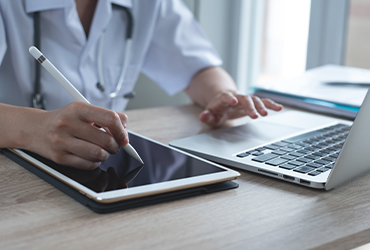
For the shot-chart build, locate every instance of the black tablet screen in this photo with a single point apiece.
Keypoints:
(121, 170)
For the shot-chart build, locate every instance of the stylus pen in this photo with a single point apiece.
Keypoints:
(71, 89)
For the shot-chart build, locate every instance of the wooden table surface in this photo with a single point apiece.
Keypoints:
(263, 213)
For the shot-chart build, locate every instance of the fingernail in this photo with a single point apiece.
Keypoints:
(210, 118)
(253, 115)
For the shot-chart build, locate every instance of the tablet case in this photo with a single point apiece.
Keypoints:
(120, 205)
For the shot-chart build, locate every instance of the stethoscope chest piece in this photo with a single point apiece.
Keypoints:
(38, 101)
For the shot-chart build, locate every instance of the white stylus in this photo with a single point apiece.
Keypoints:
(71, 89)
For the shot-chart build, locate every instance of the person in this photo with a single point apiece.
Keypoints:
(86, 40)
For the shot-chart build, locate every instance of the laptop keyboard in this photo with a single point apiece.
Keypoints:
(310, 153)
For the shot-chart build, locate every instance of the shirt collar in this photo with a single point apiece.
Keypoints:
(41, 5)
(123, 3)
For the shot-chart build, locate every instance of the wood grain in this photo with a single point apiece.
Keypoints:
(263, 213)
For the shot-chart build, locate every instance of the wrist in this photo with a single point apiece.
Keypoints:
(27, 127)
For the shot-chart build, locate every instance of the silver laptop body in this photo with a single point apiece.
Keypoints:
(282, 136)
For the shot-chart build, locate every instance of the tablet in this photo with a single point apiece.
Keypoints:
(122, 182)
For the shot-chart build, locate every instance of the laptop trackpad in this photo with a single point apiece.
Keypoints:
(232, 140)
(226, 142)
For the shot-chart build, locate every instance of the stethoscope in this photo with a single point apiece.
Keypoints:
(38, 100)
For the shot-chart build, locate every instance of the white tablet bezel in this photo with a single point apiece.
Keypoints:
(140, 191)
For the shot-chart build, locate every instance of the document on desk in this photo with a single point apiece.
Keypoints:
(332, 89)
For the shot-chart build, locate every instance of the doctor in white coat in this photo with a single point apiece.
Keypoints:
(101, 47)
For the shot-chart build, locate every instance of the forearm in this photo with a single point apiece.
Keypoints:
(208, 83)
(17, 125)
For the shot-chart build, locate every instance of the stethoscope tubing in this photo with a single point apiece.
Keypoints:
(114, 94)
(37, 98)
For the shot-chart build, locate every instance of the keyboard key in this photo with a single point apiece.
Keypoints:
(324, 144)
(304, 159)
(303, 169)
(303, 144)
(314, 173)
(257, 153)
(279, 152)
(321, 154)
(320, 145)
(265, 157)
(330, 159)
(319, 163)
(288, 157)
(287, 166)
(322, 161)
(296, 154)
(314, 165)
(242, 155)
(311, 149)
(315, 147)
(313, 157)
(276, 161)
(323, 169)
(302, 137)
(271, 147)
(286, 149)
(296, 163)
(260, 149)
(304, 152)
(330, 166)
(280, 144)
(294, 146)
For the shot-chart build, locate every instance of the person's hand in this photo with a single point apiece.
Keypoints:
(229, 105)
(70, 136)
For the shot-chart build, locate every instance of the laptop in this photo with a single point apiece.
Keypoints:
(300, 147)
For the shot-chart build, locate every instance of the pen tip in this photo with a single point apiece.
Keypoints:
(131, 151)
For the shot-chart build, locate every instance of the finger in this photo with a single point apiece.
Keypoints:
(248, 106)
(86, 150)
(124, 119)
(270, 104)
(96, 136)
(105, 118)
(216, 112)
(75, 161)
(229, 99)
(208, 118)
(259, 105)
(222, 102)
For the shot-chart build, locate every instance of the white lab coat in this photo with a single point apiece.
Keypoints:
(168, 46)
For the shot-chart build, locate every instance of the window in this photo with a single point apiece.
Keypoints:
(357, 53)
(284, 39)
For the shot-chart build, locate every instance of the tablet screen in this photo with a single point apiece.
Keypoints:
(121, 170)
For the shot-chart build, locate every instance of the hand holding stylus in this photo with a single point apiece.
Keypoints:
(114, 123)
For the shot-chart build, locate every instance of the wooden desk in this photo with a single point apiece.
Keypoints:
(263, 213)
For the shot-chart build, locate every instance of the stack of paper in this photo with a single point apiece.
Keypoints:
(331, 89)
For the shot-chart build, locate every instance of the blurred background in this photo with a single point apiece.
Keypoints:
(267, 40)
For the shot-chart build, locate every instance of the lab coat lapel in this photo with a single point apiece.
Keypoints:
(100, 21)
(73, 22)
(102, 16)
